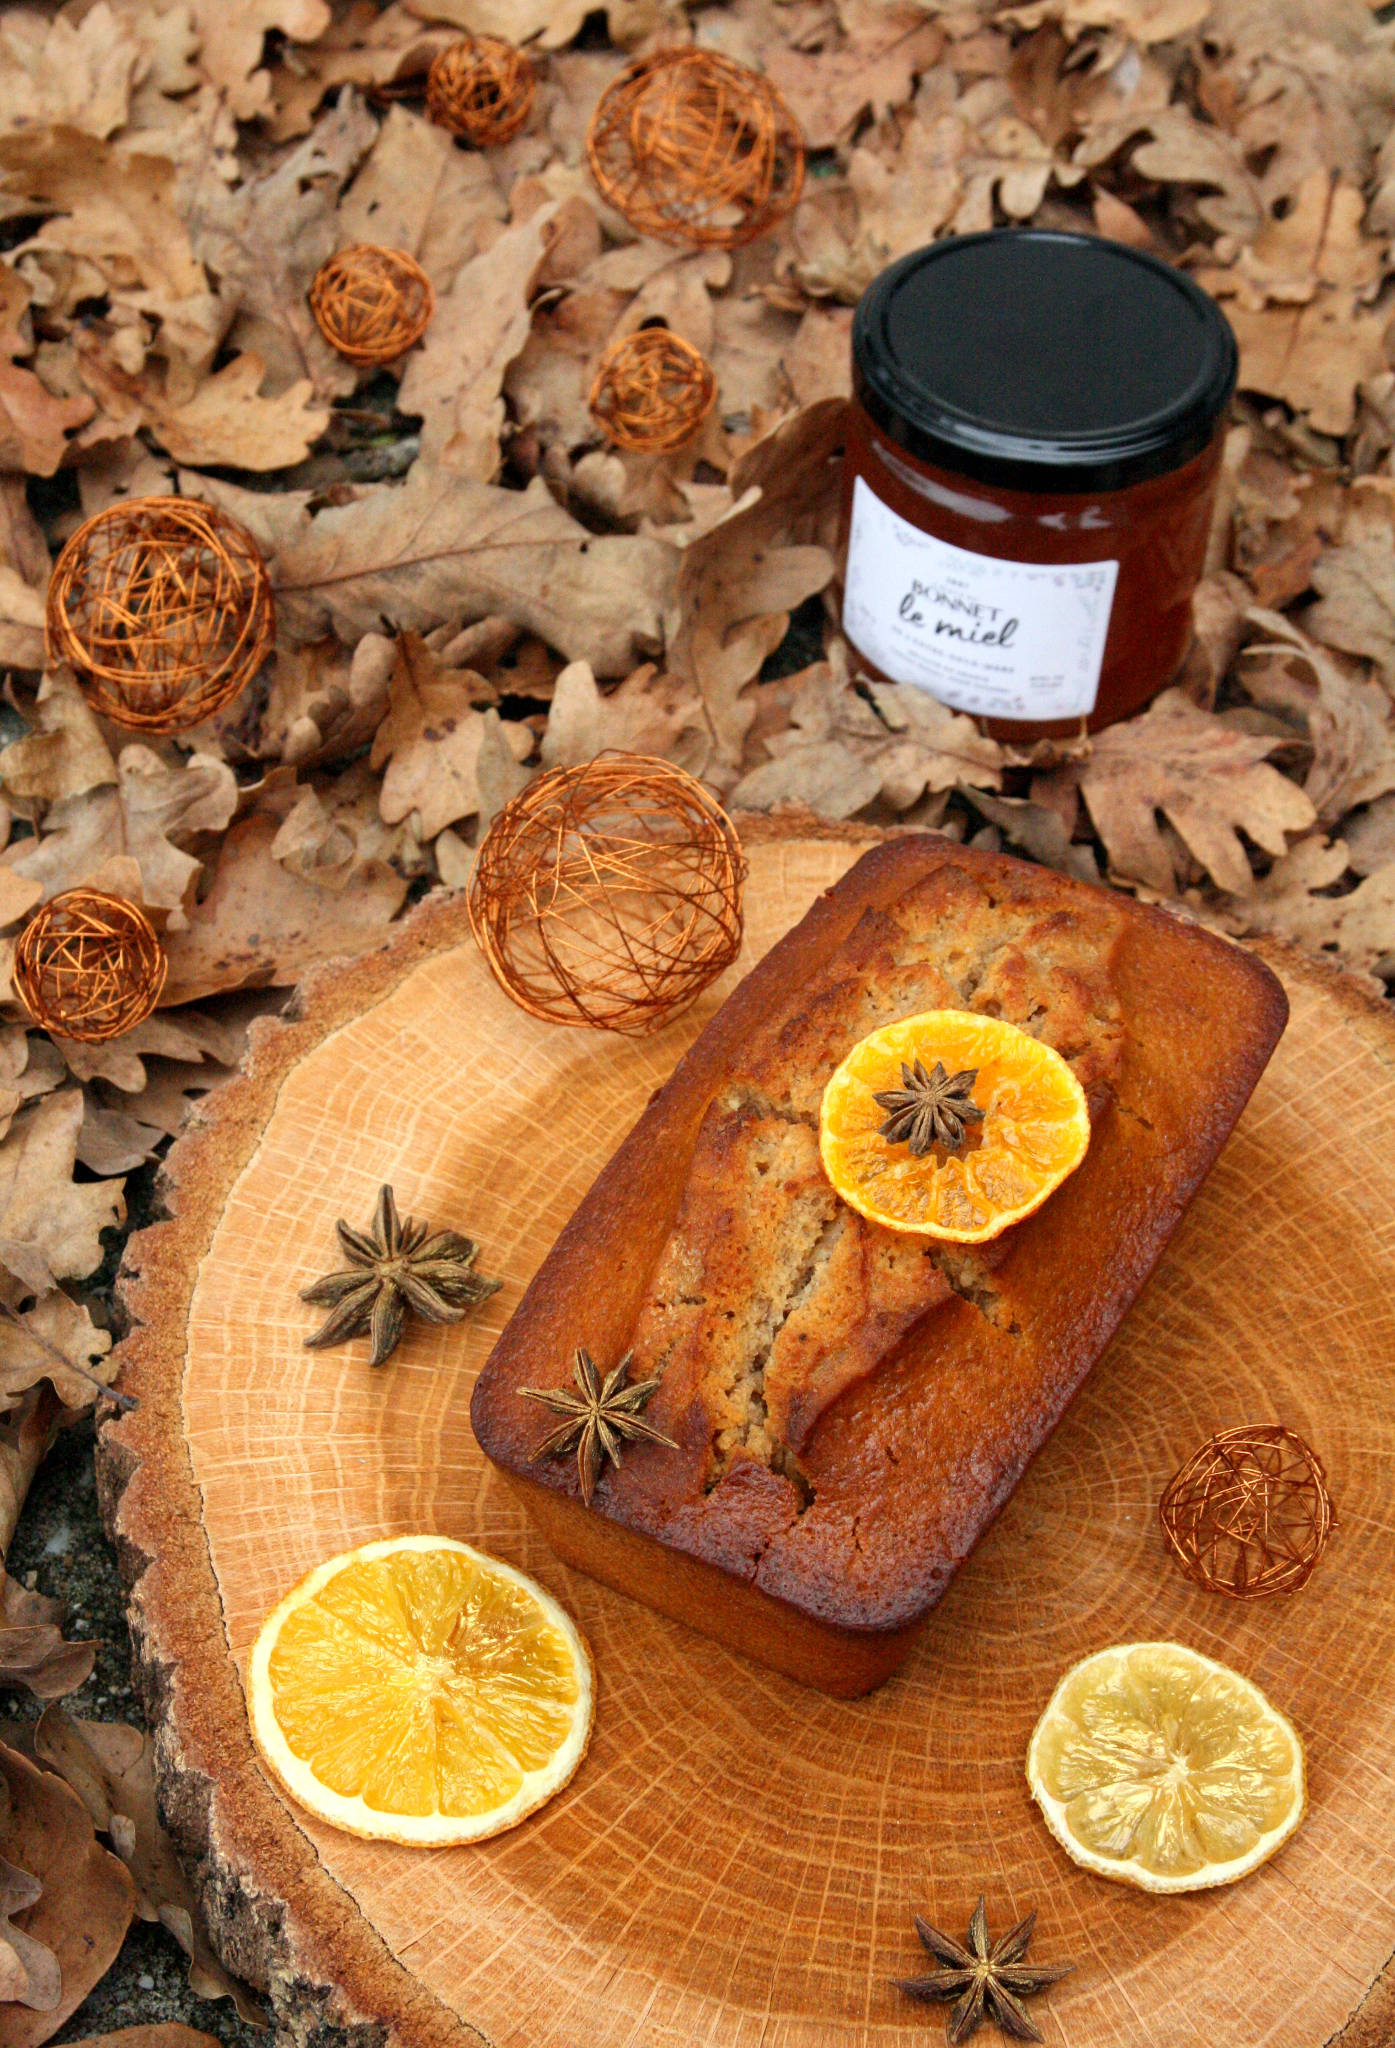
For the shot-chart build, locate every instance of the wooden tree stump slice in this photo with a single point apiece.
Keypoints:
(738, 1861)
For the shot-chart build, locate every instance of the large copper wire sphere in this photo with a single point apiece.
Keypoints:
(1249, 1513)
(371, 304)
(162, 607)
(609, 894)
(481, 88)
(89, 966)
(652, 391)
(691, 146)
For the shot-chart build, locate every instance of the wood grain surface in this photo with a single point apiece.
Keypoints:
(738, 1861)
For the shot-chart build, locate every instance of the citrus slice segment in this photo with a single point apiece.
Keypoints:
(415, 1690)
(1031, 1130)
(1159, 1767)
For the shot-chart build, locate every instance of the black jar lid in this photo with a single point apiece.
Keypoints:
(1042, 361)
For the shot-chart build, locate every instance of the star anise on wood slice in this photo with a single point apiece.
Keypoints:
(988, 1982)
(396, 1265)
(599, 1414)
(929, 1109)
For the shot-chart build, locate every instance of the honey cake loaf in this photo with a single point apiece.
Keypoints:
(851, 1405)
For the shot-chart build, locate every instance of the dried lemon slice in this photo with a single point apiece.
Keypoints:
(1160, 1767)
(415, 1690)
(1028, 1125)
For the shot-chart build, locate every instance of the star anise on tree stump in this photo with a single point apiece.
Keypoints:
(598, 1415)
(988, 1982)
(396, 1265)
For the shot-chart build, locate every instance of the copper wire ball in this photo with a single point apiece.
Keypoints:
(691, 146)
(481, 88)
(371, 304)
(89, 966)
(652, 391)
(162, 607)
(609, 894)
(1249, 1514)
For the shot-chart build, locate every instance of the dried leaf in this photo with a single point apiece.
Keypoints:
(60, 72)
(34, 424)
(325, 704)
(86, 1900)
(26, 1433)
(645, 715)
(260, 924)
(139, 821)
(112, 210)
(266, 240)
(33, 1653)
(1356, 611)
(1350, 720)
(35, 1344)
(1313, 356)
(416, 191)
(1370, 837)
(455, 379)
(66, 755)
(50, 1228)
(1206, 780)
(874, 70)
(430, 742)
(447, 547)
(232, 34)
(110, 1768)
(162, 2034)
(29, 1973)
(225, 420)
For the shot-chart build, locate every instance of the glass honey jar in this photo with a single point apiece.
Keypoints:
(1035, 443)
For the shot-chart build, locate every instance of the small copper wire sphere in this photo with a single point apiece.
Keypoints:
(652, 391)
(481, 88)
(609, 894)
(162, 607)
(691, 146)
(371, 304)
(1249, 1514)
(89, 966)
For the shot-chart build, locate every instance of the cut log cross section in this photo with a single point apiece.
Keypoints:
(738, 1860)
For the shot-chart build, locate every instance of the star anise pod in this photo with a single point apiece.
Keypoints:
(929, 1109)
(598, 1415)
(396, 1265)
(988, 1982)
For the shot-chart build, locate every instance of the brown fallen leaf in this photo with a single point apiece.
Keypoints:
(1370, 836)
(1356, 609)
(50, 1227)
(1206, 780)
(430, 742)
(29, 1973)
(162, 2034)
(873, 69)
(86, 1898)
(34, 425)
(1313, 356)
(259, 924)
(232, 39)
(647, 714)
(27, 1432)
(114, 211)
(1171, 146)
(59, 72)
(447, 547)
(66, 754)
(33, 1652)
(455, 379)
(224, 420)
(266, 239)
(1350, 720)
(140, 820)
(110, 1769)
(324, 703)
(416, 191)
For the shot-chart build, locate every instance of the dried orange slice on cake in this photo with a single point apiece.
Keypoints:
(952, 1125)
(415, 1690)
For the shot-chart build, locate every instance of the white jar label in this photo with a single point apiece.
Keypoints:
(1001, 639)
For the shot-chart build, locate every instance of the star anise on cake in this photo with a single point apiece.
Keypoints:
(396, 1265)
(987, 1982)
(929, 1109)
(599, 1414)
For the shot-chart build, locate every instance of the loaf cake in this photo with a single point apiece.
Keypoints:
(848, 1406)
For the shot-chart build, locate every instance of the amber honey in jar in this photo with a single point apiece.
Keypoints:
(1035, 442)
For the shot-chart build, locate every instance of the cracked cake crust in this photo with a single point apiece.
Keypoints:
(852, 1405)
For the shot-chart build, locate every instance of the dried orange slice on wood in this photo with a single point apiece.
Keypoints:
(415, 1690)
(951, 1125)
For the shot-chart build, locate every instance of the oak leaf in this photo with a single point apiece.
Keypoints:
(35, 424)
(63, 72)
(325, 703)
(54, 1340)
(224, 421)
(65, 755)
(1370, 837)
(438, 547)
(552, 22)
(33, 1652)
(86, 1898)
(1356, 609)
(29, 1973)
(259, 924)
(1205, 779)
(50, 1227)
(1312, 356)
(416, 191)
(232, 37)
(872, 71)
(430, 742)
(161, 2034)
(110, 1769)
(1350, 719)
(113, 209)
(647, 714)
